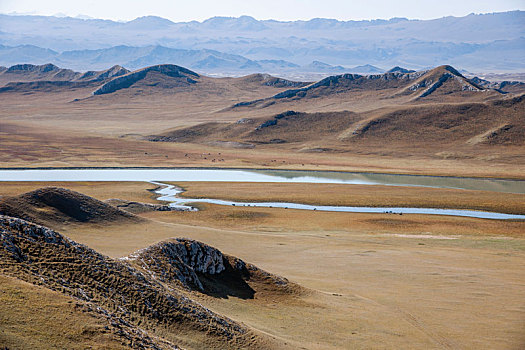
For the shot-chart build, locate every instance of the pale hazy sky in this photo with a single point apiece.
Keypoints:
(187, 10)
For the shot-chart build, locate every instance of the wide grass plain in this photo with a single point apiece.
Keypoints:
(382, 281)
(372, 280)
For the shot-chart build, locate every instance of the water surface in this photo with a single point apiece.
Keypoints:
(276, 176)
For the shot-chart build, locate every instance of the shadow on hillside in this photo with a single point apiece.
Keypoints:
(230, 282)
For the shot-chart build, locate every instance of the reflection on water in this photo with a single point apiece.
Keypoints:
(494, 185)
(233, 175)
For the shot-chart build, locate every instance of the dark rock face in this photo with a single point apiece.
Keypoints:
(398, 69)
(503, 86)
(276, 118)
(33, 68)
(180, 260)
(138, 207)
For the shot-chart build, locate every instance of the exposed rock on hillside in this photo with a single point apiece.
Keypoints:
(50, 72)
(398, 69)
(125, 294)
(112, 72)
(138, 207)
(268, 80)
(179, 74)
(50, 78)
(198, 266)
(275, 119)
(444, 77)
(502, 86)
(443, 80)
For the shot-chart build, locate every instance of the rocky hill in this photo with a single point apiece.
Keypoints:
(194, 265)
(50, 78)
(147, 306)
(443, 83)
(50, 72)
(164, 75)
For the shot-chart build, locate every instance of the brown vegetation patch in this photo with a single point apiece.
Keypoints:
(384, 222)
(247, 215)
(33, 317)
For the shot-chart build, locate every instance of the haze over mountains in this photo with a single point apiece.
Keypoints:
(477, 43)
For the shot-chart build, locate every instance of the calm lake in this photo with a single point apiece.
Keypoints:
(237, 175)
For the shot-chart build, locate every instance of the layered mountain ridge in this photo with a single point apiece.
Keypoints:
(479, 43)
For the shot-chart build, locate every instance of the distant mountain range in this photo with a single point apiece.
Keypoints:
(203, 60)
(478, 43)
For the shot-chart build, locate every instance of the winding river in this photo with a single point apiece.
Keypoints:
(170, 193)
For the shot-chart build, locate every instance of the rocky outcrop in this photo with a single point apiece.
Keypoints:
(123, 293)
(110, 73)
(179, 261)
(185, 76)
(398, 81)
(50, 78)
(275, 119)
(44, 68)
(269, 80)
(501, 86)
(398, 69)
(444, 78)
(198, 266)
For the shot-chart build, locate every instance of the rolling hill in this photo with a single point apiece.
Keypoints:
(440, 109)
(54, 205)
(167, 76)
(50, 72)
(443, 83)
(143, 306)
(48, 77)
(435, 127)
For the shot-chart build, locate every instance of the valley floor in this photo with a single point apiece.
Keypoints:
(381, 281)
(374, 280)
(33, 147)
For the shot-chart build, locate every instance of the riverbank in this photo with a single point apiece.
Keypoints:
(357, 195)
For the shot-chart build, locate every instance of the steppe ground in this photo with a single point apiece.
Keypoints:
(375, 280)
(71, 128)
